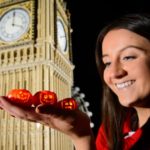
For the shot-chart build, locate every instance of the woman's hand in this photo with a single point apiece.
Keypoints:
(74, 123)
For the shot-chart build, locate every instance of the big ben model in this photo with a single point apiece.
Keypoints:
(35, 54)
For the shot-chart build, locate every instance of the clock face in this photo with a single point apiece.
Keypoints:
(13, 24)
(61, 36)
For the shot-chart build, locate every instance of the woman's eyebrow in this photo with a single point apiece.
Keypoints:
(127, 47)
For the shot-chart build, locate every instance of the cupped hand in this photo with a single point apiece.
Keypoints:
(71, 122)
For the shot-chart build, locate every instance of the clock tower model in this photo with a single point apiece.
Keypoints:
(35, 54)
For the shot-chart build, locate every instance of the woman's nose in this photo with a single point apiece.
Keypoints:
(117, 71)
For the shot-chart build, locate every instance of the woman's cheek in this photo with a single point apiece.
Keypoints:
(106, 77)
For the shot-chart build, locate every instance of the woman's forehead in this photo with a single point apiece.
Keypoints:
(120, 38)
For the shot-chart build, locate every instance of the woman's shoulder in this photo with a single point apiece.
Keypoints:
(101, 141)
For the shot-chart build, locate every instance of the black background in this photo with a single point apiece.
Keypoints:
(87, 19)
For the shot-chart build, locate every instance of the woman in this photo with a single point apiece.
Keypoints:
(123, 50)
(122, 56)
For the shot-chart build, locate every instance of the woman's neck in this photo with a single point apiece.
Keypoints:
(143, 115)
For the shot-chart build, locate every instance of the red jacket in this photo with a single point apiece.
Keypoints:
(137, 140)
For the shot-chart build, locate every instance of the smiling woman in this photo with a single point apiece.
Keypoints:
(123, 55)
(123, 51)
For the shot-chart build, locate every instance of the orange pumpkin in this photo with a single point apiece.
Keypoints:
(68, 103)
(20, 96)
(44, 97)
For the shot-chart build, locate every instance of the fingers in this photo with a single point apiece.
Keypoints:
(8, 106)
(46, 109)
(25, 113)
(53, 110)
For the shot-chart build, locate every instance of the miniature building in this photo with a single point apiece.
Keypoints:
(35, 54)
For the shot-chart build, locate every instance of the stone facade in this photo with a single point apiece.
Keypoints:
(35, 62)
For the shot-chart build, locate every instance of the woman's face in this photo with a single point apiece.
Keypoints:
(126, 56)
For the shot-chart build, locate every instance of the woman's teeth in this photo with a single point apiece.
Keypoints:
(124, 84)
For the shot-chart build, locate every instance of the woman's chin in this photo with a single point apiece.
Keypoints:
(127, 102)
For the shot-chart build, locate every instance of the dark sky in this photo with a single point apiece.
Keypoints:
(87, 19)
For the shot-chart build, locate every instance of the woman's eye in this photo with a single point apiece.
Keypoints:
(129, 57)
(107, 64)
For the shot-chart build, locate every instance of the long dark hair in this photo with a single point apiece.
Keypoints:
(113, 114)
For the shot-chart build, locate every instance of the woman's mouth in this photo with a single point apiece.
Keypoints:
(124, 84)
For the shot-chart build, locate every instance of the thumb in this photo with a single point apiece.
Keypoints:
(46, 109)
